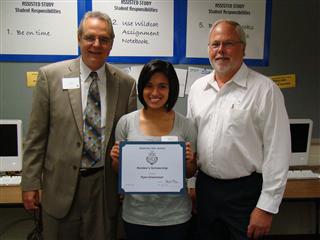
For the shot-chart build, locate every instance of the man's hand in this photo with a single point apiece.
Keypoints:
(192, 195)
(260, 223)
(115, 156)
(31, 199)
(191, 162)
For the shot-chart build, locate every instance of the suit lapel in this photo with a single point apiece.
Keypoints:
(112, 98)
(75, 96)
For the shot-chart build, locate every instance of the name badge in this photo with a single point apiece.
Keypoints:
(70, 83)
(169, 139)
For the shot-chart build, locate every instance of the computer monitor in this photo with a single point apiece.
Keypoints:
(301, 133)
(10, 145)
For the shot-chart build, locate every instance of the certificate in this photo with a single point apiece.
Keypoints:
(152, 167)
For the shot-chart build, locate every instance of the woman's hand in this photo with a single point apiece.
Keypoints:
(115, 156)
(191, 162)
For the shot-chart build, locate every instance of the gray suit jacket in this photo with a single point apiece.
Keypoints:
(53, 146)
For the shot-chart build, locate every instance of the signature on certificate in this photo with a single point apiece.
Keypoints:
(172, 181)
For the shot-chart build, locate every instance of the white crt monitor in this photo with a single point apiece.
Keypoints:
(10, 145)
(301, 133)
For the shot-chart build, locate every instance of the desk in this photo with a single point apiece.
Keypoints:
(304, 190)
(296, 190)
(10, 195)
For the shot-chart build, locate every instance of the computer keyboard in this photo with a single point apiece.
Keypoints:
(10, 180)
(303, 174)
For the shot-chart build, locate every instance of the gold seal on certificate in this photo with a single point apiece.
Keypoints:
(152, 167)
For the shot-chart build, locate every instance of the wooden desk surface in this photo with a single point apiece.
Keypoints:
(10, 194)
(302, 189)
(295, 189)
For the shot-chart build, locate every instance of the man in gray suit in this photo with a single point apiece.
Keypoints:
(79, 200)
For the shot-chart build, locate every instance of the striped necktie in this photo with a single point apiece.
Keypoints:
(92, 125)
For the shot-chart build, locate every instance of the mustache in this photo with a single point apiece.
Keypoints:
(221, 56)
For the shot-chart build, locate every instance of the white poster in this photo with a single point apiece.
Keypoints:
(202, 14)
(194, 73)
(182, 76)
(46, 27)
(143, 28)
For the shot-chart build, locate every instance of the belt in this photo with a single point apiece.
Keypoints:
(255, 177)
(85, 172)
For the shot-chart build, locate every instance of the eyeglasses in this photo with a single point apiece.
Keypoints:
(92, 39)
(226, 44)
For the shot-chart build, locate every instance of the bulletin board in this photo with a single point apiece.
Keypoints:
(171, 30)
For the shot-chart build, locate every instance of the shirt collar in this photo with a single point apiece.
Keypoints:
(239, 78)
(85, 71)
(210, 81)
